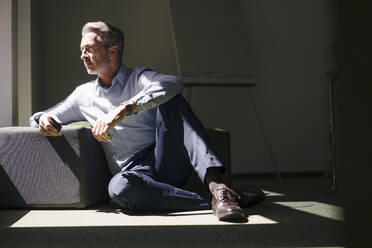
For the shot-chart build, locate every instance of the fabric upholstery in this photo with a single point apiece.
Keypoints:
(66, 171)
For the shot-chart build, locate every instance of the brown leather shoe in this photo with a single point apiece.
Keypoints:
(249, 195)
(225, 205)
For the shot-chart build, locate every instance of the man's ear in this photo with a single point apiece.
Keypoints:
(114, 51)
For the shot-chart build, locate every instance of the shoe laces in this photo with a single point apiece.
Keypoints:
(229, 194)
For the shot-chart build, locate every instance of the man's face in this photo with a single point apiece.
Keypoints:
(94, 54)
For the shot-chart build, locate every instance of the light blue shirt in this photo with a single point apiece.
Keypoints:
(89, 101)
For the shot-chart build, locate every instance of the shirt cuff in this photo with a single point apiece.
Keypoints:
(34, 119)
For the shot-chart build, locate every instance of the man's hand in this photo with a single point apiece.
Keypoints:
(104, 124)
(111, 119)
(45, 125)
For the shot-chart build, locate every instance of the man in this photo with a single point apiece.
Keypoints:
(151, 138)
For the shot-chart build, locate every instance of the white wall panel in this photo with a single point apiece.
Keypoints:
(6, 63)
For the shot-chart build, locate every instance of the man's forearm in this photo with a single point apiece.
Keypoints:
(125, 109)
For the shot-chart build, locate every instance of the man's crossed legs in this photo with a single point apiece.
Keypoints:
(151, 180)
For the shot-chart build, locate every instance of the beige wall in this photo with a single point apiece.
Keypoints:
(211, 38)
(290, 44)
(289, 47)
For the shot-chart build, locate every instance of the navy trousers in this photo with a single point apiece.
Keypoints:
(152, 179)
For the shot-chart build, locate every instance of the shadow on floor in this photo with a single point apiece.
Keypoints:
(305, 222)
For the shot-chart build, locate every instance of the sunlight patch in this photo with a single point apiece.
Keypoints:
(88, 218)
(270, 193)
(325, 210)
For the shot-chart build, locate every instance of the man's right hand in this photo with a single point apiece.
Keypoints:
(45, 125)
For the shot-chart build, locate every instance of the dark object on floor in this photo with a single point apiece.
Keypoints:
(225, 205)
(250, 195)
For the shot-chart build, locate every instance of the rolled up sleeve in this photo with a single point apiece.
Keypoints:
(67, 110)
(157, 88)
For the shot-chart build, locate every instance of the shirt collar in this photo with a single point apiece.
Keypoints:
(118, 79)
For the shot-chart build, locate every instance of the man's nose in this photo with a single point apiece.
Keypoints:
(83, 55)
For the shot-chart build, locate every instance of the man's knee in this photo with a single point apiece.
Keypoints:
(119, 189)
(124, 190)
(173, 111)
(176, 102)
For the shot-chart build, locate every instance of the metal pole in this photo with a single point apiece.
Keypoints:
(329, 181)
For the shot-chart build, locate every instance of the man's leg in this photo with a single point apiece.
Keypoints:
(181, 144)
(180, 136)
(138, 189)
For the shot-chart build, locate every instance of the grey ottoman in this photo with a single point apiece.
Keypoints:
(38, 171)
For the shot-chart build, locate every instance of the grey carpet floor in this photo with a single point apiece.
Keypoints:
(296, 213)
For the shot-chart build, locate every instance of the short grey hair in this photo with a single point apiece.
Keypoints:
(107, 33)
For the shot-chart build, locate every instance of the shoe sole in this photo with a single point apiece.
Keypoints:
(235, 216)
